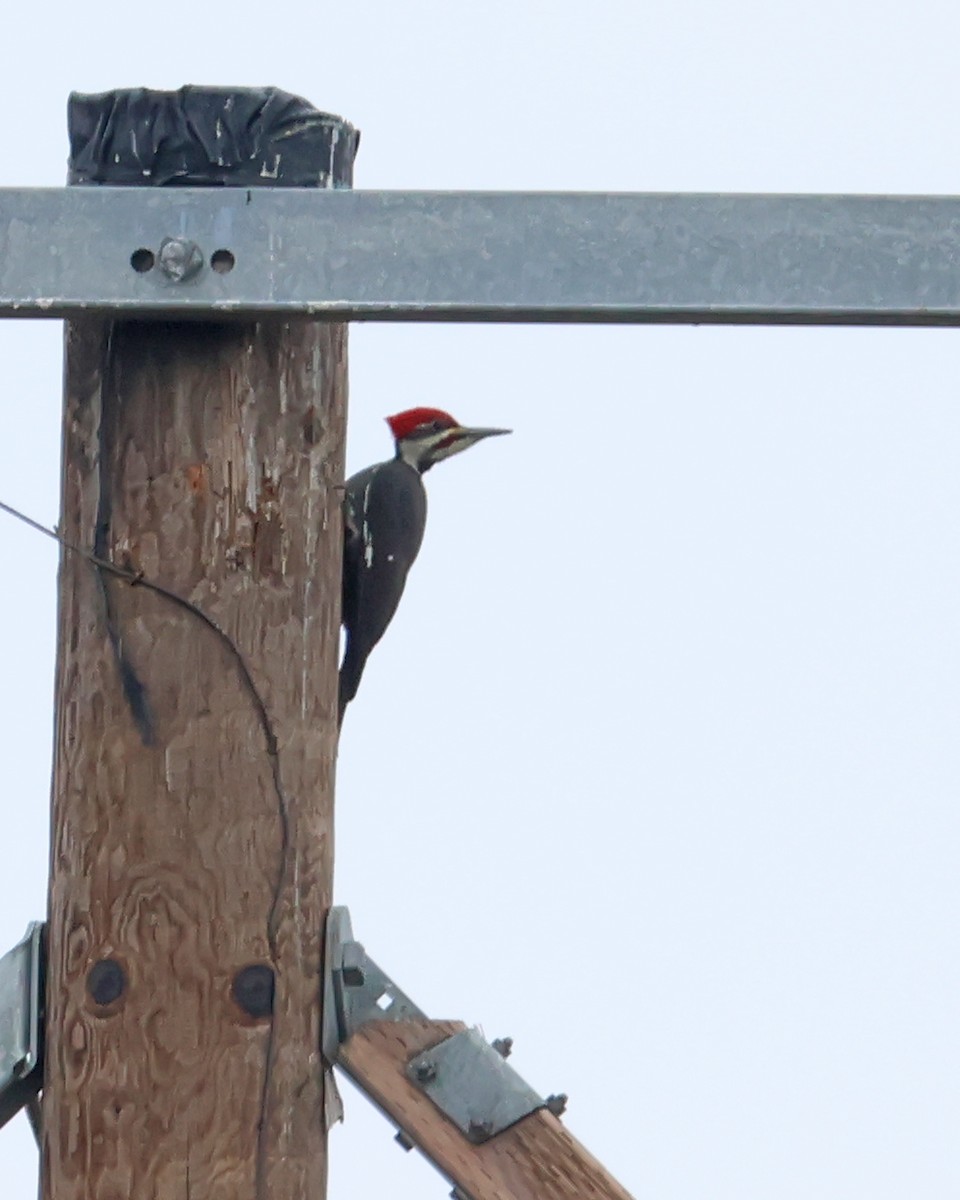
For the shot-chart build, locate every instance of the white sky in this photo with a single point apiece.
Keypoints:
(657, 770)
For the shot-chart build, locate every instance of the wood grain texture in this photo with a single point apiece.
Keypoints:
(207, 457)
(536, 1159)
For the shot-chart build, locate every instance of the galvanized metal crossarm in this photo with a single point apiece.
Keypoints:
(480, 256)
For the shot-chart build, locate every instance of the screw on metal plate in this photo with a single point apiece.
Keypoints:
(404, 1140)
(503, 1046)
(180, 259)
(557, 1104)
(352, 965)
(21, 1024)
(472, 1085)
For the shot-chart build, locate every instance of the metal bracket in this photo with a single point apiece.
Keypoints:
(21, 1023)
(355, 989)
(472, 1085)
(466, 1077)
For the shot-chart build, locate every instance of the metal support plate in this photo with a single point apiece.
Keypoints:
(473, 1086)
(480, 256)
(21, 1005)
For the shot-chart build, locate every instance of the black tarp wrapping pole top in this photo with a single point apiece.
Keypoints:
(237, 137)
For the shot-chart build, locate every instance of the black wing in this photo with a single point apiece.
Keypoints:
(385, 511)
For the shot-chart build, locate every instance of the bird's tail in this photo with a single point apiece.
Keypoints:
(351, 672)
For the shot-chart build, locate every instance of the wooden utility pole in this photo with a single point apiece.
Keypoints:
(192, 825)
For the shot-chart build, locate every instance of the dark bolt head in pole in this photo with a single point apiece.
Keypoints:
(253, 989)
(106, 981)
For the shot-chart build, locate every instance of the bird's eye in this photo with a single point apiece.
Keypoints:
(436, 426)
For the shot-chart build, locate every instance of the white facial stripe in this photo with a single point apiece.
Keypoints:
(411, 452)
(455, 446)
(416, 450)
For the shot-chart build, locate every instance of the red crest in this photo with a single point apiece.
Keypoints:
(403, 424)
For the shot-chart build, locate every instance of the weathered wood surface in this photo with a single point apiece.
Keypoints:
(206, 457)
(536, 1159)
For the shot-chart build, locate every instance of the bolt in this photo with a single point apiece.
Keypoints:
(106, 981)
(425, 1072)
(403, 1140)
(253, 988)
(180, 259)
(503, 1046)
(353, 960)
(479, 1130)
(556, 1104)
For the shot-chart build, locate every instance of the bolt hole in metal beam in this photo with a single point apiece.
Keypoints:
(222, 261)
(142, 260)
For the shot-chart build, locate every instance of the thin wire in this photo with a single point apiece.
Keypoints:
(137, 579)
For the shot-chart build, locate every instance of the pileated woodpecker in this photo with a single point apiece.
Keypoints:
(385, 512)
